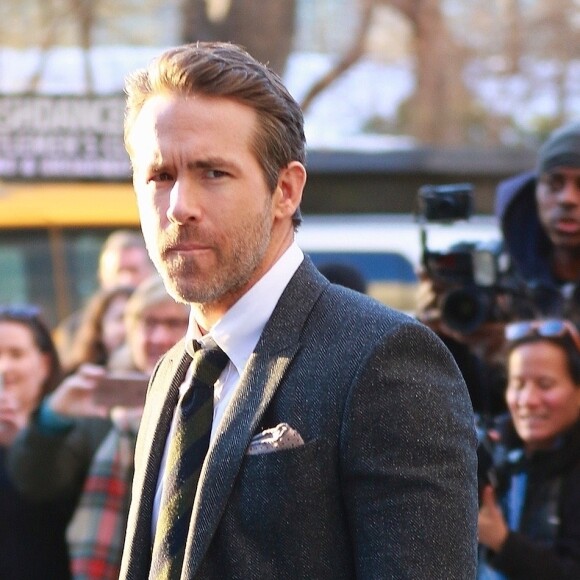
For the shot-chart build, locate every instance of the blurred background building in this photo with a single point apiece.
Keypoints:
(396, 94)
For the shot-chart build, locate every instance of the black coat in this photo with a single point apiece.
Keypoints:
(547, 546)
(32, 535)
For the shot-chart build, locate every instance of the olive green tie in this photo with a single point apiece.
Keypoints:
(186, 454)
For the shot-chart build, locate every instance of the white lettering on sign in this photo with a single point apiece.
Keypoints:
(62, 136)
(61, 114)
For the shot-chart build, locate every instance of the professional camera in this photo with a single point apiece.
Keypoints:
(474, 274)
(446, 203)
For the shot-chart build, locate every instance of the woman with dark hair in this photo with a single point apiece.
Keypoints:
(102, 329)
(32, 534)
(86, 446)
(529, 520)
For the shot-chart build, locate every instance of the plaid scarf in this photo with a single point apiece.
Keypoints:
(97, 531)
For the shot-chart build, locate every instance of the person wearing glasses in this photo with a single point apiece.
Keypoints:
(32, 534)
(86, 444)
(539, 216)
(529, 520)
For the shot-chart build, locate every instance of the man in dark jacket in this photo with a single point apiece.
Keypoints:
(539, 214)
(341, 444)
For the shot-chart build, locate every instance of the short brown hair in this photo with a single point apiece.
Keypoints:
(226, 70)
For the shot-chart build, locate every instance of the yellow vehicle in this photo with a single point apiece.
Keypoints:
(66, 186)
(50, 237)
(51, 234)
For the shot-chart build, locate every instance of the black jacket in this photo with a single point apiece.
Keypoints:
(547, 545)
(525, 240)
(32, 534)
(530, 252)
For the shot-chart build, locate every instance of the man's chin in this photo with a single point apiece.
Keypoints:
(566, 240)
(179, 291)
(185, 293)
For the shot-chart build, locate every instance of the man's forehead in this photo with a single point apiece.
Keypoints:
(163, 115)
(162, 108)
(144, 130)
(563, 170)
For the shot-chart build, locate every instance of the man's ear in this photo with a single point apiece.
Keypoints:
(288, 193)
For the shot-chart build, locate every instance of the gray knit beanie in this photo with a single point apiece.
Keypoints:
(561, 149)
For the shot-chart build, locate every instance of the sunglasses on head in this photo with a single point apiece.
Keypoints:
(20, 312)
(552, 328)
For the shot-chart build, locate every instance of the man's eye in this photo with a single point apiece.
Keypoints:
(215, 173)
(160, 177)
(555, 182)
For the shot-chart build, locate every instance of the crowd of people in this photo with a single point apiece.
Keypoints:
(522, 370)
(67, 455)
(383, 483)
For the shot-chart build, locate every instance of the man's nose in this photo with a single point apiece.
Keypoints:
(184, 203)
(570, 192)
(4, 368)
(4, 363)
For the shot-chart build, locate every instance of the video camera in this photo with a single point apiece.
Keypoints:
(475, 274)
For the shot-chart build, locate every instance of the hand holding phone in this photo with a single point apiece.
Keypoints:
(121, 389)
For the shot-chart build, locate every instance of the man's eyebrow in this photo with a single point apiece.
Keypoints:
(156, 163)
(211, 162)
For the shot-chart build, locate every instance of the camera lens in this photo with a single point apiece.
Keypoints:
(465, 309)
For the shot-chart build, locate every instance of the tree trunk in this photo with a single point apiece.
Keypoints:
(264, 27)
(513, 35)
(439, 106)
(351, 57)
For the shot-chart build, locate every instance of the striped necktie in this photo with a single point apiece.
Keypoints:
(187, 451)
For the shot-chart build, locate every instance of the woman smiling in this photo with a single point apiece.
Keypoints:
(32, 534)
(529, 526)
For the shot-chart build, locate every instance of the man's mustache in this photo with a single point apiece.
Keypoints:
(179, 235)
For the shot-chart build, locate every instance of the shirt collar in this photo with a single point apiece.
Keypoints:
(239, 329)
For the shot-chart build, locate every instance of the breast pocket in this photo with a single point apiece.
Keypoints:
(276, 484)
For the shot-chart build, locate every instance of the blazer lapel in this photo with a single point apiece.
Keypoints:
(266, 368)
(157, 416)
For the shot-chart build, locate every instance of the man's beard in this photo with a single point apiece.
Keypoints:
(235, 262)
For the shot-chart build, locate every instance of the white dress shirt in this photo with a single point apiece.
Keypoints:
(237, 334)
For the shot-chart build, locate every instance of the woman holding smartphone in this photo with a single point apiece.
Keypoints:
(32, 534)
(87, 444)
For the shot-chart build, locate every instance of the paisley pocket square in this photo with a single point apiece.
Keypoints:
(275, 439)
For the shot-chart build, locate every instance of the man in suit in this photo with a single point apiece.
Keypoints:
(342, 443)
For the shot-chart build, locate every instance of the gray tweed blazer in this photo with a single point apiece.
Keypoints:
(385, 484)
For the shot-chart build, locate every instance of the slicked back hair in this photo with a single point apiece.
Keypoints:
(217, 69)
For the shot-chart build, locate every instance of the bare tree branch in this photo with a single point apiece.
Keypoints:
(349, 59)
(406, 7)
(53, 17)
